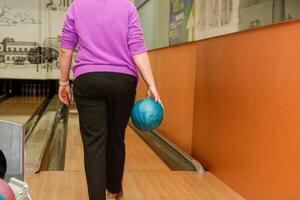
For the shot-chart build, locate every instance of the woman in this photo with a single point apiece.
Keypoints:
(3, 165)
(5, 190)
(111, 48)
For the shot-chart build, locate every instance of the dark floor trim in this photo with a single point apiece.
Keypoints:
(175, 158)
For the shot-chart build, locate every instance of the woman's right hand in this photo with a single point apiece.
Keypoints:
(152, 93)
(143, 63)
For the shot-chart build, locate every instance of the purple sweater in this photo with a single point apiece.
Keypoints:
(108, 33)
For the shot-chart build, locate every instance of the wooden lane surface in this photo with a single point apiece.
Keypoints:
(146, 177)
(138, 155)
(19, 109)
(138, 185)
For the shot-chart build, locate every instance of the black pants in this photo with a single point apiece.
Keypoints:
(104, 101)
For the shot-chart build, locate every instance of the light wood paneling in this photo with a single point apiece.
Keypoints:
(74, 148)
(138, 185)
(65, 185)
(19, 109)
(161, 185)
(146, 177)
(138, 155)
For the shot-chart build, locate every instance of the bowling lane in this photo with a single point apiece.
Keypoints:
(146, 177)
(20, 108)
(139, 156)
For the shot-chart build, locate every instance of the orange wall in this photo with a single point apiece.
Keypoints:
(247, 111)
(233, 102)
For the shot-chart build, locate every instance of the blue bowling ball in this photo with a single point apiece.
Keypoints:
(147, 114)
(1, 197)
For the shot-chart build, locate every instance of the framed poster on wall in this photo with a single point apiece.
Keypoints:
(211, 18)
(29, 38)
(179, 14)
(139, 3)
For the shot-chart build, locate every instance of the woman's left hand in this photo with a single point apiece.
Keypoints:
(64, 94)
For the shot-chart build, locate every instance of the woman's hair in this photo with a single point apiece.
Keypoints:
(3, 165)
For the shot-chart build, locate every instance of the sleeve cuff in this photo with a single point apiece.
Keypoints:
(139, 51)
(67, 46)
